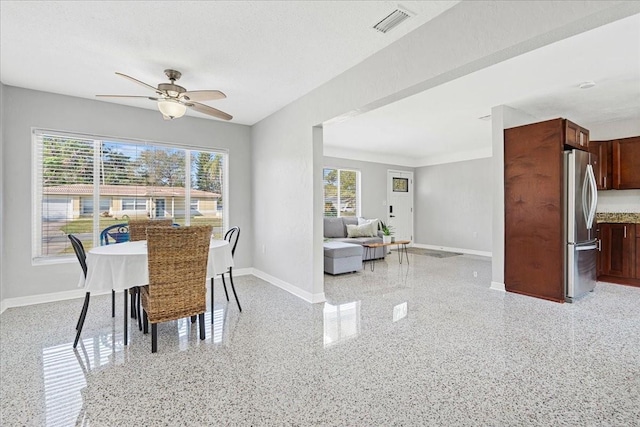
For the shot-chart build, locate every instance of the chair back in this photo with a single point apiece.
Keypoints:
(232, 235)
(116, 233)
(138, 227)
(78, 248)
(177, 266)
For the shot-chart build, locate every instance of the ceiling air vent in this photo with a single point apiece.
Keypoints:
(394, 19)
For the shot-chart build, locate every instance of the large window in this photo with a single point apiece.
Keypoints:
(341, 192)
(83, 184)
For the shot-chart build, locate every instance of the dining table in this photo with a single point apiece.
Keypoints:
(122, 266)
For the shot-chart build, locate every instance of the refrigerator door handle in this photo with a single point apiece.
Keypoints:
(594, 196)
(586, 247)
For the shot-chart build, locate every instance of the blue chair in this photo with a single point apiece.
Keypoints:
(116, 233)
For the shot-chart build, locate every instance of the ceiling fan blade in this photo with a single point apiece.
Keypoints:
(202, 95)
(127, 96)
(201, 108)
(140, 83)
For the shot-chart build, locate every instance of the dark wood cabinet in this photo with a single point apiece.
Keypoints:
(619, 259)
(576, 136)
(533, 177)
(602, 166)
(626, 163)
(638, 252)
(602, 233)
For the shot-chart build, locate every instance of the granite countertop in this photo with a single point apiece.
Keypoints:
(618, 217)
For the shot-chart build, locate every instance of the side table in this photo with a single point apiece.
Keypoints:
(402, 248)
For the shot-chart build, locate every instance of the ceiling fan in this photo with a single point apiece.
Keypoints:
(173, 99)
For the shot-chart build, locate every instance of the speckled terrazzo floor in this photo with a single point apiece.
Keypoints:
(424, 344)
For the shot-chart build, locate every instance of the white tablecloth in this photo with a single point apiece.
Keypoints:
(124, 265)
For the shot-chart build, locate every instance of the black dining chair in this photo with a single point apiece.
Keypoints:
(78, 248)
(232, 235)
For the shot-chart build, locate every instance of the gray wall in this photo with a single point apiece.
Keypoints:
(25, 109)
(373, 179)
(2, 192)
(452, 202)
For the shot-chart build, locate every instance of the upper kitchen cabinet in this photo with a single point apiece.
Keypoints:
(576, 136)
(602, 165)
(626, 163)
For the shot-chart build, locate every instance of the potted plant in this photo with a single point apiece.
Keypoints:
(386, 232)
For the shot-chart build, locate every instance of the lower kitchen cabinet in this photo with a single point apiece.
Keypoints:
(619, 256)
(638, 251)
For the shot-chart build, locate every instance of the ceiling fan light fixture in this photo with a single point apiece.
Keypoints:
(171, 108)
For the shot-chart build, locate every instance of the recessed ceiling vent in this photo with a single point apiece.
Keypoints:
(394, 19)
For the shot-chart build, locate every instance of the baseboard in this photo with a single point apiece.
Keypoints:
(300, 293)
(449, 249)
(497, 286)
(79, 293)
(45, 298)
(242, 272)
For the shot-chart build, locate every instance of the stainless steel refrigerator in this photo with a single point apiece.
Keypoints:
(581, 197)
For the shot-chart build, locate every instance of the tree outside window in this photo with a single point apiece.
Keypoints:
(341, 188)
(84, 184)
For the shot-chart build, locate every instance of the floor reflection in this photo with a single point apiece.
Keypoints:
(400, 311)
(64, 373)
(65, 369)
(341, 322)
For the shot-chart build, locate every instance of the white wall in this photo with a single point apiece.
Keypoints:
(502, 117)
(373, 178)
(25, 109)
(2, 192)
(467, 37)
(453, 206)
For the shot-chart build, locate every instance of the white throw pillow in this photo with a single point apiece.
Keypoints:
(372, 222)
(363, 230)
(374, 226)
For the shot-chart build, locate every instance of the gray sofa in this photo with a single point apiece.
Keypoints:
(335, 229)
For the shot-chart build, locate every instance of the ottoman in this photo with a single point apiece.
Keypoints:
(342, 257)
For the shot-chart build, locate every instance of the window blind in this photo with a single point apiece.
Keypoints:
(341, 192)
(85, 184)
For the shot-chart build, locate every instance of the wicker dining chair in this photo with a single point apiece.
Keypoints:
(177, 262)
(138, 227)
(137, 232)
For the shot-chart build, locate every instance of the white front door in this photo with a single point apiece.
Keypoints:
(400, 204)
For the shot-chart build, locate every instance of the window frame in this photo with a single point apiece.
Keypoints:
(37, 195)
(358, 208)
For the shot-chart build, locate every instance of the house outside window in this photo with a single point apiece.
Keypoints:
(85, 183)
(341, 192)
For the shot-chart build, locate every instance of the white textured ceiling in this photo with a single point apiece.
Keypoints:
(266, 54)
(441, 124)
(261, 54)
